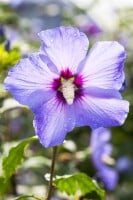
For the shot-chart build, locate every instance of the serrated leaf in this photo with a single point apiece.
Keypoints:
(15, 157)
(76, 183)
(27, 197)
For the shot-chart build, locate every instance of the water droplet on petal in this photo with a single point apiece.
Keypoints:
(65, 126)
(69, 118)
(85, 48)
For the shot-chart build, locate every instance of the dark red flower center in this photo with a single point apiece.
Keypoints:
(68, 86)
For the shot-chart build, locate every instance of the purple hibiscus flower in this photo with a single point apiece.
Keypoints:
(91, 29)
(65, 88)
(101, 150)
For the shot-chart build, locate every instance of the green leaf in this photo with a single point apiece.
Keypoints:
(8, 59)
(4, 186)
(27, 197)
(73, 184)
(15, 157)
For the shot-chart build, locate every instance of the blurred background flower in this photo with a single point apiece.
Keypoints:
(101, 151)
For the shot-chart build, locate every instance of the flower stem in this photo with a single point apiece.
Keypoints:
(50, 187)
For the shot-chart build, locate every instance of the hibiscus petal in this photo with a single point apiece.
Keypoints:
(104, 66)
(102, 151)
(105, 93)
(52, 122)
(66, 47)
(29, 82)
(99, 137)
(109, 177)
(96, 111)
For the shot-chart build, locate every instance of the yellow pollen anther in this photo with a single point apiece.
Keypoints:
(62, 80)
(71, 79)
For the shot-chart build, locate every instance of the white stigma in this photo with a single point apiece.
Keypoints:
(68, 91)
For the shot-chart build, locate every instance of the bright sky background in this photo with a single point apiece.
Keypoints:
(116, 3)
(105, 11)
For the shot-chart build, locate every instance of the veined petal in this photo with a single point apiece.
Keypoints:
(52, 122)
(96, 111)
(100, 92)
(66, 47)
(29, 82)
(103, 67)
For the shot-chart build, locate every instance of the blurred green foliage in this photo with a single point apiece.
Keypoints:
(8, 59)
(7, 15)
